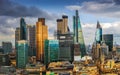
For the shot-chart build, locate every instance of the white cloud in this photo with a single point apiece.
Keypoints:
(96, 8)
(73, 7)
(89, 30)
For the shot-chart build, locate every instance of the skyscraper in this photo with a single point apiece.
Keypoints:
(108, 39)
(41, 36)
(98, 37)
(65, 43)
(17, 35)
(51, 51)
(23, 29)
(62, 25)
(22, 54)
(7, 47)
(78, 35)
(65, 39)
(31, 41)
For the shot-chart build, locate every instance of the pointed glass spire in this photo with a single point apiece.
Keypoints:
(78, 35)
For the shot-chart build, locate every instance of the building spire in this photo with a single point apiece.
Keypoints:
(98, 24)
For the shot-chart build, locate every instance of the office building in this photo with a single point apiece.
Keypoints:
(108, 39)
(23, 29)
(7, 47)
(41, 36)
(65, 39)
(22, 54)
(78, 35)
(31, 40)
(51, 51)
(98, 36)
(17, 35)
(62, 25)
(65, 43)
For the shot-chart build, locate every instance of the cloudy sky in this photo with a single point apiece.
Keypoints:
(107, 12)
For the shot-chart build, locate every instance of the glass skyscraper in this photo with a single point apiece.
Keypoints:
(98, 36)
(108, 39)
(78, 35)
(51, 51)
(23, 29)
(22, 54)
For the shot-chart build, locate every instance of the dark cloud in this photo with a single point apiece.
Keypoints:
(117, 2)
(9, 8)
(104, 1)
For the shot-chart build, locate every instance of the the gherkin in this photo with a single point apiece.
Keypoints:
(78, 35)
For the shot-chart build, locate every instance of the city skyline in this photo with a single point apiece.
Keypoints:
(90, 12)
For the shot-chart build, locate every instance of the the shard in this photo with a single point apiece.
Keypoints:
(78, 35)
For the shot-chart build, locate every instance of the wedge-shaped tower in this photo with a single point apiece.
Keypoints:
(78, 35)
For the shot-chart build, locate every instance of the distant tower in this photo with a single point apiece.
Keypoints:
(7, 47)
(78, 35)
(41, 36)
(98, 36)
(32, 40)
(22, 54)
(23, 29)
(108, 39)
(17, 35)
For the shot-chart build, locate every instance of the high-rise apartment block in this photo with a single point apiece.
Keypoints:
(41, 36)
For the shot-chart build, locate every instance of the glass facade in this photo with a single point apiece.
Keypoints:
(98, 36)
(51, 51)
(78, 35)
(7, 47)
(108, 39)
(22, 53)
(23, 30)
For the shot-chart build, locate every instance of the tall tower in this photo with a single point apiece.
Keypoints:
(23, 29)
(62, 25)
(98, 36)
(41, 36)
(78, 35)
(31, 39)
(17, 35)
(108, 39)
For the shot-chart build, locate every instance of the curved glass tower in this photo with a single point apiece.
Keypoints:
(98, 36)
